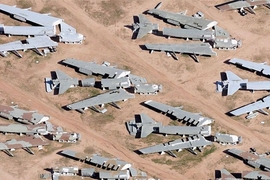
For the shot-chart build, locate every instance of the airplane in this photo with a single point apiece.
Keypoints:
(251, 158)
(259, 67)
(192, 49)
(90, 68)
(234, 82)
(144, 26)
(28, 117)
(24, 142)
(63, 82)
(190, 118)
(145, 125)
(252, 108)
(109, 97)
(182, 19)
(191, 143)
(241, 5)
(33, 43)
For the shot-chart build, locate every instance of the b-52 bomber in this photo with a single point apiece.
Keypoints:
(177, 112)
(192, 49)
(251, 158)
(234, 82)
(144, 26)
(241, 5)
(24, 116)
(143, 126)
(179, 19)
(260, 104)
(109, 97)
(24, 142)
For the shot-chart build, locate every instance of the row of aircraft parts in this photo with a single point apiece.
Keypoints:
(42, 33)
(34, 125)
(113, 79)
(193, 27)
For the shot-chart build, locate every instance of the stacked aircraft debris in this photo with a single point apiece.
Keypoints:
(35, 125)
(233, 83)
(194, 27)
(113, 79)
(103, 168)
(42, 33)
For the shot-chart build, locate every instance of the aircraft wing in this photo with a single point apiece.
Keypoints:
(232, 77)
(64, 81)
(260, 67)
(26, 15)
(109, 97)
(90, 68)
(30, 43)
(232, 5)
(226, 175)
(179, 144)
(256, 106)
(180, 114)
(185, 48)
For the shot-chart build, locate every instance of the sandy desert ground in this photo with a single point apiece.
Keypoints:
(184, 82)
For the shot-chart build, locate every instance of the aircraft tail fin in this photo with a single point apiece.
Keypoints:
(158, 5)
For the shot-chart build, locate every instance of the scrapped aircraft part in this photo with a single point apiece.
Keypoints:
(144, 26)
(113, 164)
(256, 175)
(147, 88)
(24, 142)
(89, 82)
(182, 19)
(65, 171)
(66, 137)
(87, 172)
(90, 68)
(48, 85)
(13, 112)
(227, 139)
(259, 67)
(108, 97)
(34, 17)
(69, 34)
(250, 108)
(28, 30)
(190, 142)
(251, 158)
(41, 129)
(31, 43)
(241, 5)
(134, 79)
(184, 48)
(187, 117)
(122, 82)
(195, 34)
(63, 82)
(124, 174)
(227, 44)
(145, 125)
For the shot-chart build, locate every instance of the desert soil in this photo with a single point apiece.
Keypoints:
(184, 82)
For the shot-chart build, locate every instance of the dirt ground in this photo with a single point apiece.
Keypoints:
(184, 82)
